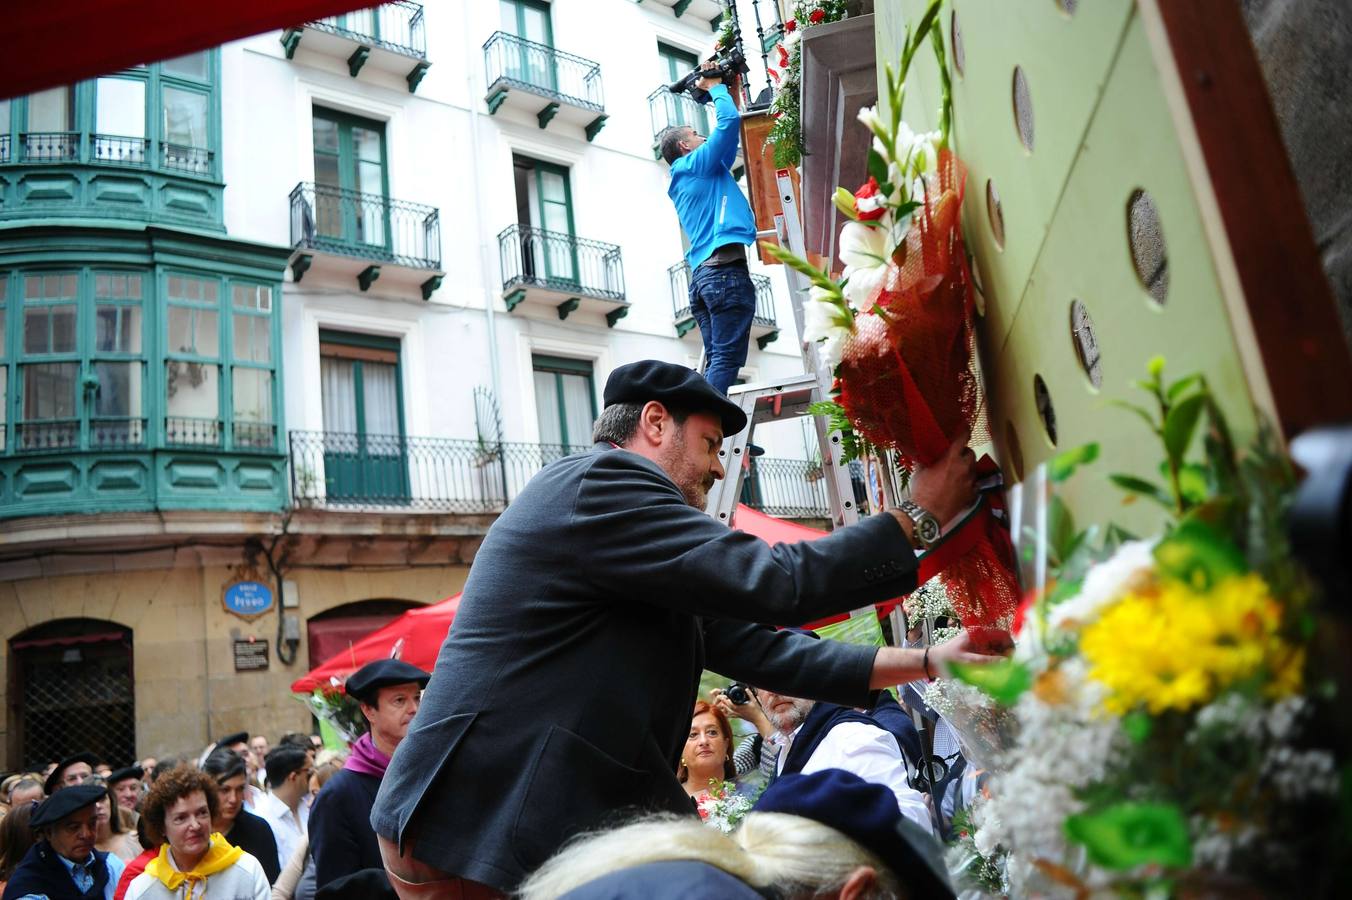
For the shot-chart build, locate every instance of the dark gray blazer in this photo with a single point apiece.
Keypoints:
(561, 698)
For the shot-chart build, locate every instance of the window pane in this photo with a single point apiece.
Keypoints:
(49, 329)
(52, 110)
(117, 329)
(380, 397)
(338, 394)
(121, 107)
(185, 117)
(326, 135)
(194, 331)
(194, 65)
(49, 391)
(253, 395)
(54, 286)
(547, 408)
(4, 403)
(192, 389)
(202, 290)
(252, 341)
(253, 296)
(577, 409)
(119, 393)
(117, 286)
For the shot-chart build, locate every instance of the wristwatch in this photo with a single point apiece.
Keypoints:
(925, 526)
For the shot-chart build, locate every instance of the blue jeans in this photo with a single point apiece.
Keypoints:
(723, 302)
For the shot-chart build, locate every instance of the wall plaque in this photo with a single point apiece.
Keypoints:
(251, 656)
(247, 599)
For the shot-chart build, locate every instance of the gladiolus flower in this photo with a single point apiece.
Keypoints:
(790, 25)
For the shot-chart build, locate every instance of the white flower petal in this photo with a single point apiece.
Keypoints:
(863, 247)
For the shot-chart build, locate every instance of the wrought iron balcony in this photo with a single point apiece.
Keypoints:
(384, 37)
(50, 146)
(368, 227)
(764, 326)
(561, 271)
(788, 488)
(4, 148)
(360, 471)
(107, 150)
(667, 109)
(544, 82)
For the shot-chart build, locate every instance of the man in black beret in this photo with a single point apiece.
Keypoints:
(341, 839)
(563, 692)
(63, 864)
(126, 787)
(72, 770)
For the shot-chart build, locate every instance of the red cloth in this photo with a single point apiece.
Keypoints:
(48, 44)
(134, 868)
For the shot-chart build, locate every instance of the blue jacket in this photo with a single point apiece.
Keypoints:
(712, 209)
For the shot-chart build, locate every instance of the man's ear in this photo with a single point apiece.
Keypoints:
(653, 420)
(860, 882)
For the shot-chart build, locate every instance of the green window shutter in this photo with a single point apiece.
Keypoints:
(565, 397)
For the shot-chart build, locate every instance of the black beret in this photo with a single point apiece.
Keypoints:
(63, 803)
(239, 737)
(363, 683)
(53, 783)
(123, 774)
(667, 383)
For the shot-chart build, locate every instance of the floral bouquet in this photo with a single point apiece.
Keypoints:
(1164, 742)
(897, 329)
(725, 807)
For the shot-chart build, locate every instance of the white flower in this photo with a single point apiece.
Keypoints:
(870, 119)
(919, 151)
(825, 321)
(1129, 566)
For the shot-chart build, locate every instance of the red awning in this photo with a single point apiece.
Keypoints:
(64, 41)
(103, 637)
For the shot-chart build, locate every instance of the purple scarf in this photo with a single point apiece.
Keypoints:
(365, 759)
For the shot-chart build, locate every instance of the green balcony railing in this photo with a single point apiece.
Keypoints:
(666, 109)
(398, 26)
(367, 226)
(678, 277)
(551, 259)
(113, 150)
(510, 61)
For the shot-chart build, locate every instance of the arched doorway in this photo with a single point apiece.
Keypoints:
(72, 690)
(334, 630)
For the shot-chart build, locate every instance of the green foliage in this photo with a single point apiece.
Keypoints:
(1004, 681)
(1127, 835)
(852, 446)
(1063, 465)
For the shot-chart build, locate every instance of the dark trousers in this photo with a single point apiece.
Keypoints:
(723, 302)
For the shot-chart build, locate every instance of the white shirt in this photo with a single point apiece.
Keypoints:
(287, 827)
(873, 755)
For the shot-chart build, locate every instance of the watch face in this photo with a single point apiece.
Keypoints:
(927, 529)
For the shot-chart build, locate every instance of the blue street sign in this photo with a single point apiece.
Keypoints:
(248, 598)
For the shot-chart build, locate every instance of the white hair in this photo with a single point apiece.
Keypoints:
(793, 855)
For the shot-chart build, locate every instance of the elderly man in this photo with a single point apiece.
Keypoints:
(126, 787)
(71, 771)
(563, 693)
(63, 864)
(341, 839)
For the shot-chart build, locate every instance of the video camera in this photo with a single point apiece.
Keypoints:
(729, 63)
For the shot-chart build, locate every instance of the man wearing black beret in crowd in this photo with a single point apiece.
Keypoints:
(341, 839)
(72, 770)
(126, 787)
(563, 693)
(63, 864)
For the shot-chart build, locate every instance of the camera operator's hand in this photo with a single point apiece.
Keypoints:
(708, 81)
(948, 487)
(749, 712)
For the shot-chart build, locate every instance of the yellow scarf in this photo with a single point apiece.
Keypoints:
(220, 855)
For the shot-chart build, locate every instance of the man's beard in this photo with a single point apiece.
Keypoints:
(694, 485)
(792, 717)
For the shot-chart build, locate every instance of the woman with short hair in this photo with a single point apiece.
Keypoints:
(194, 863)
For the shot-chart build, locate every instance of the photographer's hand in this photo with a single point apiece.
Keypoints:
(708, 81)
(749, 712)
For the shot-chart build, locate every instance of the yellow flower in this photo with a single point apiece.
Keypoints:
(1171, 646)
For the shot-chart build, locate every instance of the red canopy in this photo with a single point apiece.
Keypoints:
(417, 635)
(48, 44)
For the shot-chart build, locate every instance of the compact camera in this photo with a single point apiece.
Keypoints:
(738, 693)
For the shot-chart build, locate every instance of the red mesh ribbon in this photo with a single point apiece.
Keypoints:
(908, 383)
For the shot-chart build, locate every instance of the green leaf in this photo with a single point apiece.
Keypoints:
(1137, 725)
(1180, 425)
(1192, 481)
(1196, 554)
(1139, 486)
(1003, 681)
(1063, 591)
(1127, 835)
(877, 166)
(1115, 537)
(1063, 465)
(1140, 411)
(1178, 387)
(844, 201)
(1061, 535)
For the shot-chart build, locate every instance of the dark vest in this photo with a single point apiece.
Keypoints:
(42, 872)
(816, 727)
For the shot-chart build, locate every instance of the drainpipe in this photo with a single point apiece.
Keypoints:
(485, 258)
